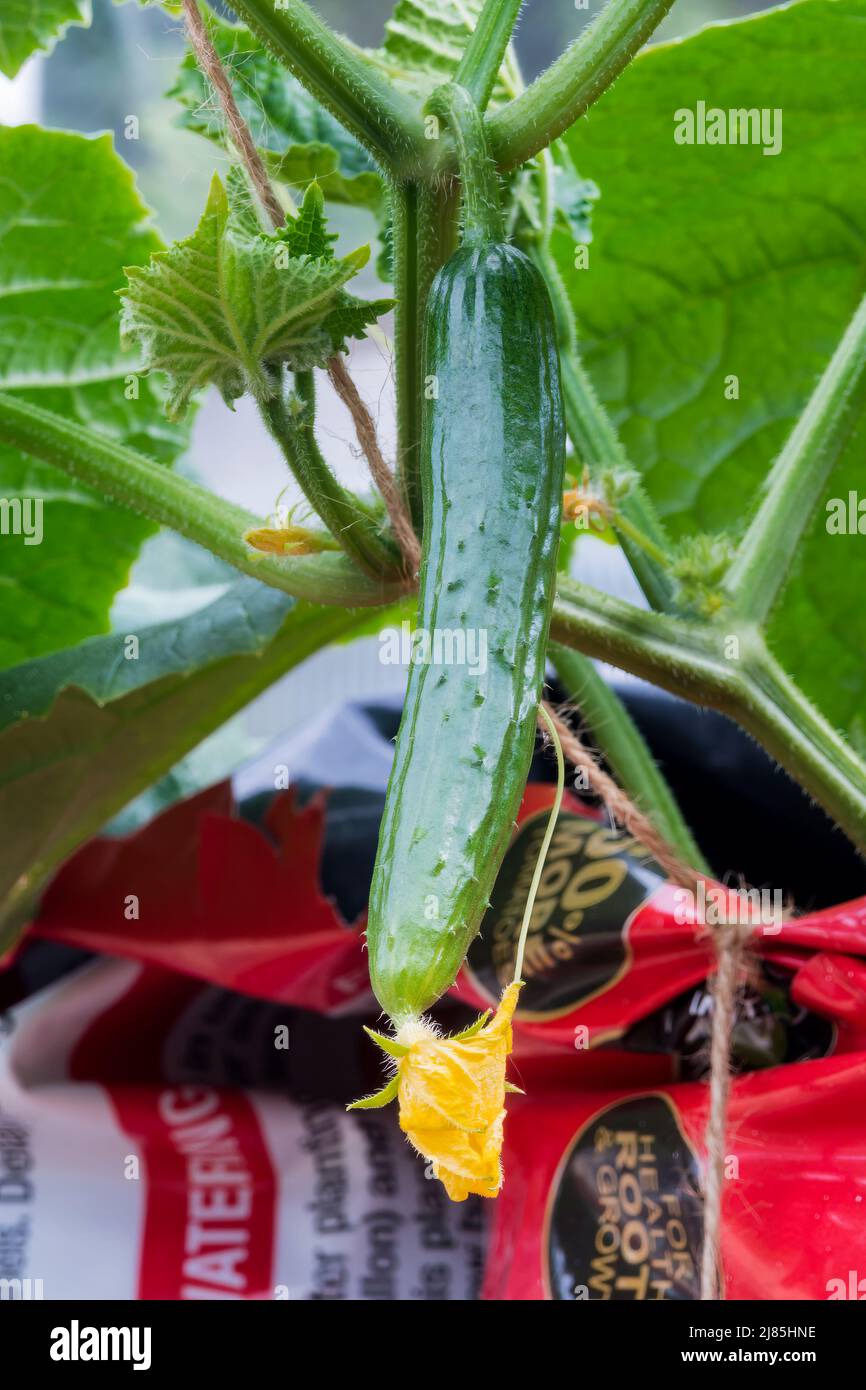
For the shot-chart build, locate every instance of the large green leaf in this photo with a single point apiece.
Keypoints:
(86, 731)
(712, 261)
(297, 137)
(231, 303)
(29, 25)
(70, 219)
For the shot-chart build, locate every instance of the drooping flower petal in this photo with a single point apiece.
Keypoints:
(452, 1101)
(451, 1093)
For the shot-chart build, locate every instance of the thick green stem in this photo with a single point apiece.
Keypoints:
(425, 225)
(598, 445)
(486, 49)
(626, 750)
(349, 523)
(692, 660)
(482, 208)
(567, 89)
(778, 714)
(407, 343)
(367, 104)
(685, 658)
(142, 486)
(794, 485)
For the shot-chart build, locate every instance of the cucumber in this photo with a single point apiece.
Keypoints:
(493, 451)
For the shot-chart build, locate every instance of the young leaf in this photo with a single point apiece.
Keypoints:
(307, 234)
(71, 219)
(29, 25)
(298, 140)
(230, 304)
(86, 730)
(574, 196)
(719, 286)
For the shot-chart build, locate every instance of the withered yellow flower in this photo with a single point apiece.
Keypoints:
(451, 1093)
(285, 540)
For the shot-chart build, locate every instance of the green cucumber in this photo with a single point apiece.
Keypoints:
(492, 463)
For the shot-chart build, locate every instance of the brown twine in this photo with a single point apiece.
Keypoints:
(365, 429)
(729, 941)
(384, 479)
(621, 807)
(211, 65)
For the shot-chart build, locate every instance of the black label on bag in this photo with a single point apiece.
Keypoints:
(625, 1219)
(594, 880)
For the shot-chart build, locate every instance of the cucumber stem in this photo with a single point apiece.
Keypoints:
(796, 482)
(482, 210)
(424, 237)
(597, 444)
(562, 94)
(348, 521)
(484, 53)
(140, 485)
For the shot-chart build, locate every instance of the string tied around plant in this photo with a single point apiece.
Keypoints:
(730, 940)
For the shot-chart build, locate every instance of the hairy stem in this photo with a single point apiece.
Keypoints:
(424, 221)
(371, 108)
(482, 209)
(486, 49)
(570, 86)
(794, 485)
(598, 446)
(347, 520)
(689, 659)
(683, 657)
(626, 750)
(137, 483)
(780, 716)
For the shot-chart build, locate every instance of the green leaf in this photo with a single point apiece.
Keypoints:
(29, 25)
(713, 261)
(574, 196)
(85, 731)
(242, 620)
(296, 137)
(70, 218)
(424, 42)
(231, 303)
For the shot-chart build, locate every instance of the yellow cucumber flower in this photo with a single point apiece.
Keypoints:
(451, 1093)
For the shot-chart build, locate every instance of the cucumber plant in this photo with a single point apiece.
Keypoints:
(688, 314)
